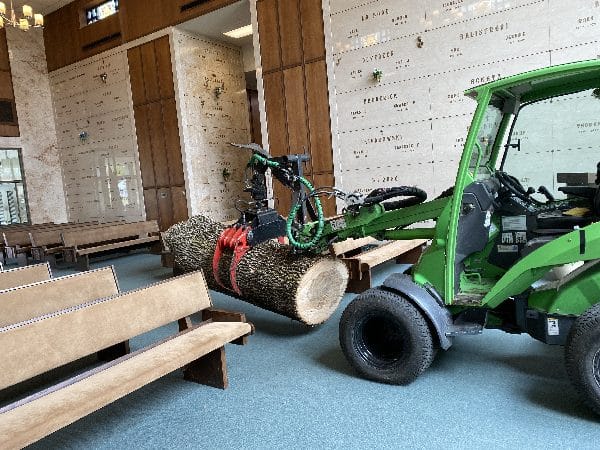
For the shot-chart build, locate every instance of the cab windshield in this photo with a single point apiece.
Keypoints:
(553, 138)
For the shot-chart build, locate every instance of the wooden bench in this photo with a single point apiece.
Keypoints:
(44, 297)
(47, 243)
(360, 263)
(80, 244)
(37, 345)
(17, 239)
(24, 275)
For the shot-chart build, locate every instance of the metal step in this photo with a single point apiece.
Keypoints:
(468, 299)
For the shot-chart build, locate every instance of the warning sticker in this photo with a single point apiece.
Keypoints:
(507, 238)
(514, 223)
(521, 237)
(508, 248)
(553, 329)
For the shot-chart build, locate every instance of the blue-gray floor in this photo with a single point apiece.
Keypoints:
(290, 387)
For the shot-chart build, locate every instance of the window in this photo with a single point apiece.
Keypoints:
(101, 11)
(13, 202)
(553, 136)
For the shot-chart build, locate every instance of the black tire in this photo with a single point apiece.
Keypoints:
(386, 338)
(582, 356)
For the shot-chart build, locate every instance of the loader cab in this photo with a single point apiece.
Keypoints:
(529, 173)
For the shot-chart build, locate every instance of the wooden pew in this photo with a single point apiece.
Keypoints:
(361, 262)
(44, 297)
(38, 345)
(80, 244)
(24, 275)
(17, 241)
(47, 243)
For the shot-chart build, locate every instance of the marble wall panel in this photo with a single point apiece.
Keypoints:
(100, 172)
(41, 160)
(210, 121)
(464, 43)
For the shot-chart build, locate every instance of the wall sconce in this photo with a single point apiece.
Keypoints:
(377, 74)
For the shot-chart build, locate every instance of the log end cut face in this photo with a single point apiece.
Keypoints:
(320, 291)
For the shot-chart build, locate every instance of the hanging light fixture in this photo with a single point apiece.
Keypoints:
(28, 19)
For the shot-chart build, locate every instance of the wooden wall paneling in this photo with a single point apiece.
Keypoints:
(157, 143)
(61, 36)
(321, 180)
(4, 57)
(283, 198)
(10, 128)
(144, 145)
(99, 36)
(254, 115)
(6, 87)
(295, 106)
(189, 9)
(313, 35)
(151, 204)
(268, 29)
(318, 117)
(178, 197)
(165, 208)
(275, 109)
(172, 142)
(150, 72)
(136, 76)
(289, 33)
(162, 52)
(142, 17)
(9, 131)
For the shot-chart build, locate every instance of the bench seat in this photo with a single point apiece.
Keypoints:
(27, 421)
(35, 344)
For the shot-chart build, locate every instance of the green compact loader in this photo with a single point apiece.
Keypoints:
(515, 243)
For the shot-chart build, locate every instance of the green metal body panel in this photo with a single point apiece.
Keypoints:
(572, 297)
(578, 245)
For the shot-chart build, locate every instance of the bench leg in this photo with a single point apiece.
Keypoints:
(22, 259)
(359, 282)
(209, 369)
(113, 352)
(83, 263)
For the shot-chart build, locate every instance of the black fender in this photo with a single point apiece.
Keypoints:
(438, 315)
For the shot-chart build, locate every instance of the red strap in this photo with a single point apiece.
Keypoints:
(241, 247)
(236, 239)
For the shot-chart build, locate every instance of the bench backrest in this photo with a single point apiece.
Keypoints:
(109, 233)
(53, 236)
(32, 300)
(42, 344)
(24, 275)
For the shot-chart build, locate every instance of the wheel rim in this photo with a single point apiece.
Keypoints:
(596, 367)
(380, 341)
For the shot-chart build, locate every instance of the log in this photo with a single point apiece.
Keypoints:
(306, 288)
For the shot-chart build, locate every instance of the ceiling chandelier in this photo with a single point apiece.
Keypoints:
(28, 19)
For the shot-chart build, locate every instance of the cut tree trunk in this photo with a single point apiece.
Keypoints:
(302, 287)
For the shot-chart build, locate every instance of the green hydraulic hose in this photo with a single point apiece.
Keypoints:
(296, 207)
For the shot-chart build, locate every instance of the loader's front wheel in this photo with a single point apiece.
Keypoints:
(386, 338)
(582, 356)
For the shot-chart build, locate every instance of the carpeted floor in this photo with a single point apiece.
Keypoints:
(291, 387)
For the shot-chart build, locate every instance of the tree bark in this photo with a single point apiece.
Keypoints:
(304, 288)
